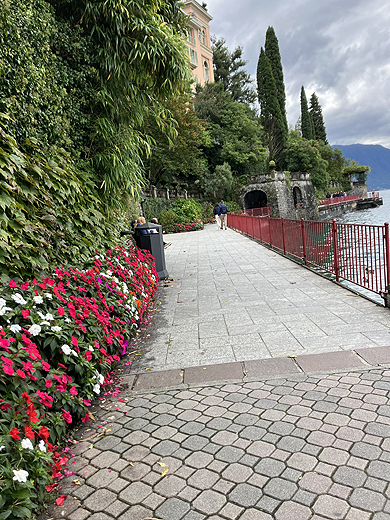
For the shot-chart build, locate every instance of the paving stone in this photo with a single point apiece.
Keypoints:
(223, 486)
(280, 489)
(291, 444)
(219, 423)
(367, 500)
(230, 454)
(366, 451)
(281, 428)
(302, 461)
(350, 477)
(225, 438)
(189, 493)
(192, 428)
(82, 492)
(333, 456)
(194, 515)
(102, 478)
(199, 460)
(116, 508)
(379, 469)
(135, 493)
(99, 500)
(79, 514)
(304, 497)
(315, 483)
(261, 449)
(331, 507)
(136, 453)
(105, 459)
(291, 510)
(237, 473)
(231, 511)
(270, 467)
(172, 509)
(209, 502)
(340, 491)
(245, 495)
(169, 486)
(164, 448)
(249, 460)
(375, 484)
(268, 504)
(203, 479)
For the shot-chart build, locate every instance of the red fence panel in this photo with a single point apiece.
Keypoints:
(354, 252)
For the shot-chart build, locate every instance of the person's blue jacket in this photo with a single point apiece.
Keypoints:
(222, 210)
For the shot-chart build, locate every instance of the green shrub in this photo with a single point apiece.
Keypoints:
(153, 208)
(167, 218)
(187, 210)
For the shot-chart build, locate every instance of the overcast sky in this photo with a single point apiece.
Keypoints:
(339, 49)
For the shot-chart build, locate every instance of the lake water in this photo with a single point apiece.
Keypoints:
(373, 216)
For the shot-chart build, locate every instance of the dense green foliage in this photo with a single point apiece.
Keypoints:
(229, 69)
(176, 158)
(85, 76)
(50, 214)
(306, 121)
(315, 111)
(219, 183)
(235, 135)
(270, 113)
(271, 49)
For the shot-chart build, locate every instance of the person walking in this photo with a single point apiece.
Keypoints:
(216, 216)
(222, 213)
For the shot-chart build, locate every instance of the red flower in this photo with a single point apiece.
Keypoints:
(26, 313)
(11, 283)
(61, 311)
(21, 374)
(85, 418)
(24, 286)
(88, 355)
(48, 383)
(15, 434)
(26, 397)
(45, 366)
(8, 370)
(44, 433)
(66, 416)
(74, 341)
(28, 432)
(73, 390)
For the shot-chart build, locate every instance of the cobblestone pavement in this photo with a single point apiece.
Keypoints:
(297, 448)
(231, 299)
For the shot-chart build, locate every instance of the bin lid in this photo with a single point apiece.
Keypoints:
(149, 225)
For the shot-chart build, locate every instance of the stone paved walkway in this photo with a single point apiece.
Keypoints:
(237, 435)
(232, 299)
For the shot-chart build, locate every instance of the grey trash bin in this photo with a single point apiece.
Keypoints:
(153, 242)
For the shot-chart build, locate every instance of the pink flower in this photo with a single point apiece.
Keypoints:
(73, 390)
(61, 311)
(21, 374)
(74, 341)
(87, 402)
(11, 283)
(8, 370)
(66, 416)
(26, 313)
(85, 418)
(49, 383)
(45, 366)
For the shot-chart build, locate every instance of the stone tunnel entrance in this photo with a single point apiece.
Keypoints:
(297, 194)
(255, 199)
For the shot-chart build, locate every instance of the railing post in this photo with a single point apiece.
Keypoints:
(335, 251)
(303, 240)
(270, 236)
(387, 254)
(284, 238)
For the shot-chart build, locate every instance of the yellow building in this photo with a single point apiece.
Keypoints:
(198, 42)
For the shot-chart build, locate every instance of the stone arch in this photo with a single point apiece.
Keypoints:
(255, 199)
(297, 196)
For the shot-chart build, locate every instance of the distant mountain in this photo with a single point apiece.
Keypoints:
(377, 157)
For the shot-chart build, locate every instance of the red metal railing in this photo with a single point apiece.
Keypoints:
(373, 195)
(357, 253)
(337, 200)
(255, 212)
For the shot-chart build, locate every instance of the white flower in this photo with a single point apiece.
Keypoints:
(90, 348)
(15, 328)
(41, 315)
(2, 302)
(101, 379)
(41, 445)
(27, 445)
(49, 317)
(38, 299)
(34, 330)
(67, 320)
(49, 295)
(2, 448)
(18, 298)
(3, 310)
(56, 328)
(20, 475)
(66, 349)
(45, 323)
(74, 353)
(96, 388)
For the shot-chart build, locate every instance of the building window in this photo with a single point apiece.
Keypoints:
(203, 40)
(191, 36)
(194, 57)
(206, 71)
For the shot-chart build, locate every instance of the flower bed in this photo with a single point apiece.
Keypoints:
(180, 227)
(59, 337)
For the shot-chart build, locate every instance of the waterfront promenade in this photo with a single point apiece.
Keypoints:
(259, 391)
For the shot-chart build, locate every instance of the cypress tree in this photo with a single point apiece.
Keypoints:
(270, 113)
(306, 123)
(273, 54)
(318, 121)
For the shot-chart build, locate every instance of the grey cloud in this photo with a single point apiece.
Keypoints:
(340, 50)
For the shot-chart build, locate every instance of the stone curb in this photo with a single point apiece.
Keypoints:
(269, 368)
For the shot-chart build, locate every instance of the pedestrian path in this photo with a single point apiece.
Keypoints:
(231, 299)
(261, 393)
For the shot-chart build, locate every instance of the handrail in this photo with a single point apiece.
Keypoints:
(357, 253)
(337, 200)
